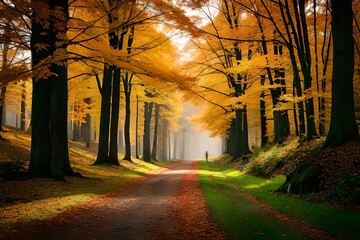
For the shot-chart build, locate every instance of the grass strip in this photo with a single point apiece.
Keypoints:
(322, 216)
(241, 218)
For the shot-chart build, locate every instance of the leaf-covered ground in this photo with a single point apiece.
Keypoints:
(176, 210)
(340, 178)
(33, 208)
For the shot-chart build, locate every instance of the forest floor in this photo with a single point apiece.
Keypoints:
(133, 201)
(169, 205)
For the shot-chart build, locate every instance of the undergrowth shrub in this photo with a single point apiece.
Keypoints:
(265, 160)
(12, 170)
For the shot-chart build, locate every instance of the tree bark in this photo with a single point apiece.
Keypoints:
(137, 129)
(87, 127)
(127, 90)
(49, 145)
(174, 156)
(244, 145)
(4, 68)
(41, 94)
(264, 137)
(22, 107)
(114, 121)
(343, 122)
(164, 139)
(102, 155)
(60, 163)
(155, 140)
(2, 104)
(146, 139)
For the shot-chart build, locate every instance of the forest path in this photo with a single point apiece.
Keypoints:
(157, 208)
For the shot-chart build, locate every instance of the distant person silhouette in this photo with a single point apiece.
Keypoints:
(206, 156)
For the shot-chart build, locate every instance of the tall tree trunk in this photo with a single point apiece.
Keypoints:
(264, 137)
(169, 145)
(183, 146)
(174, 156)
(41, 94)
(164, 139)
(2, 104)
(76, 131)
(343, 123)
(4, 67)
(244, 144)
(40, 129)
(291, 34)
(147, 120)
(281, 118)
(155, 140)
(114, 121)
(325, 59)
(127, 90)
(239, 132)
(87, 127)
(137, 129)
(121, 140)
(303, 52)
(103, 147)
(49, 145)
(23, 107)
(60, 163)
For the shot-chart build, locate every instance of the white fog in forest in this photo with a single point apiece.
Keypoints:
(190, 143)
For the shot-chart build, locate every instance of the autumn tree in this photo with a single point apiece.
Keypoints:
(49, 146)
(343, 122)
(14, 37)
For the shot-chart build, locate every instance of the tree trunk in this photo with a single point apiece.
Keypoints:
(174, 157)
(245, 136)
(264, 137)
(76, 131)
(114, 121)
(147, 120)
(87, 127)
(127, 90)
(155, 141)
(4, 67)
(343, 122)
(49, 145)
(22, 108)
(238, 134)
(291, 33)
(137, 129)
(103, 147)
(2, 104)
(164, 139)
(60, 163)
(40, 118)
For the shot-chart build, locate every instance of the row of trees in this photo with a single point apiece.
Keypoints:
(112, 42)
(275, 61)
(245, 60)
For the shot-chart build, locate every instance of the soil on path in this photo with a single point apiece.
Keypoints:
(170, 205)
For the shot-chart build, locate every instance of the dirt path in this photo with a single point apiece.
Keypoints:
(153, 209)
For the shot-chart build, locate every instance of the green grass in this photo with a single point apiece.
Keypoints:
(325, 217)
(241, 218)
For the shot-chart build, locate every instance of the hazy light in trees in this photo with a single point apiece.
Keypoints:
(197, 142)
